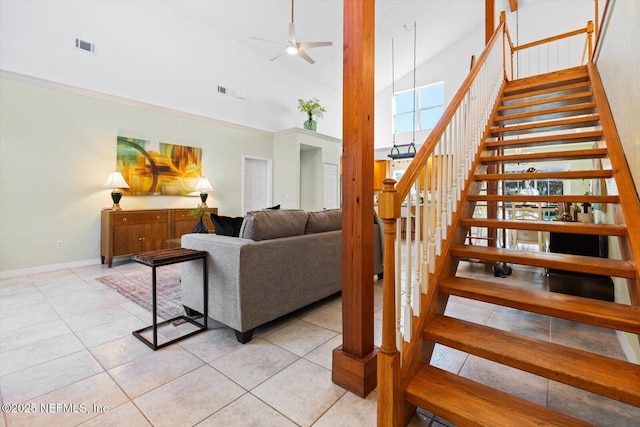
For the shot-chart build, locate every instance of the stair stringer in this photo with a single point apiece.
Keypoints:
(628, 211)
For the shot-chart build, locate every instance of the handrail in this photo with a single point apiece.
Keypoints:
(550, 39)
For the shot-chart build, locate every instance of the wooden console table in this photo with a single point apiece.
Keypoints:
(130, 232)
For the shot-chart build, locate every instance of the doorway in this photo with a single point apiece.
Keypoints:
(256, 183)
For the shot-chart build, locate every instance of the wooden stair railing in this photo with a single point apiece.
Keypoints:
(566, 113)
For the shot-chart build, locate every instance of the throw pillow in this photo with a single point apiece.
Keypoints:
(274, 207)
(226, 225)
(326, 220)
(273, 224)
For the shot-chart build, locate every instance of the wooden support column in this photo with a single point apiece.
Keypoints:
(489, 19)
(354, 365)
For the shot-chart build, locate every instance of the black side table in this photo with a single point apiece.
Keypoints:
(162, 257)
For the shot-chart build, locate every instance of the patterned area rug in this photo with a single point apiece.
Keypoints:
(136, 287)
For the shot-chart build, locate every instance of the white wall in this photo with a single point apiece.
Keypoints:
(57, 146)
(618, 63)
(147, 52)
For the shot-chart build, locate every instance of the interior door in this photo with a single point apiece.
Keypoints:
(256, 187)
(331, 186)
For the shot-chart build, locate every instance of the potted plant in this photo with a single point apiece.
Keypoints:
(200, 226)
(313, 108)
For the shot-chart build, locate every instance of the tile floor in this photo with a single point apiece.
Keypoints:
(66, 351)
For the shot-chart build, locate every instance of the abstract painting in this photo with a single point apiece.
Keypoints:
(158, 168)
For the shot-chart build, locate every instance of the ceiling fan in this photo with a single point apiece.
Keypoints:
(293, 46)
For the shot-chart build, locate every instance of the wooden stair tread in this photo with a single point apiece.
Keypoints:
(552, 99)
(586, 174)
(547, 92)
(562, 111)
(469, 403)
(556, 261)
(547, 80)
(610, 315)
(542, 198)
(585, 121)
(577, 368)
(545, 140)
(551, 226)
(592, 153)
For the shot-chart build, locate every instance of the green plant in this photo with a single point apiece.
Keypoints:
(312, 107)
(198, 212)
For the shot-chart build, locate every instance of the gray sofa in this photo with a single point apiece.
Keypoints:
(282, 260)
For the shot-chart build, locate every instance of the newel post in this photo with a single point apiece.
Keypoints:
(390, 402)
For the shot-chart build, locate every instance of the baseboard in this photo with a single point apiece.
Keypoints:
(47, 268)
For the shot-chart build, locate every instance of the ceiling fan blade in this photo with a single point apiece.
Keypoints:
(278, 55)
(268, 41)
(310, 45)
(304, 56)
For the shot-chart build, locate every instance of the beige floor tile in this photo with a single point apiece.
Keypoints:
(586, 337)
(84, 400)
(120, 351)
(188, 399)
(32, 334)
(39, 352)
(513, 381)
(254, 362)
(74, 303)
(71, 283)
(520, 322)
(150, 371)
(40, 379)
(592, 408)
(99, 317)
(124, 415)
(328, 317)
(323, 355)
(448, 358)
(301, 392)
(110, 331)
(43, 313)
(212, 344)
(247, 411)
(351, 411)
(468, 312)
(300, 337)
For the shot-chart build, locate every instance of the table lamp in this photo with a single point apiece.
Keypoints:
(203, 186)
(116, 181)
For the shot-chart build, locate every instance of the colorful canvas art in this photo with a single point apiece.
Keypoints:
(157, 168)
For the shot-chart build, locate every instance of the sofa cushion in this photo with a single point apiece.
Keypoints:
(226, 225)
(273, 224)
(326, 220)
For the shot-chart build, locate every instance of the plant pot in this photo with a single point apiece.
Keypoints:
(310, 124)
(200, 227)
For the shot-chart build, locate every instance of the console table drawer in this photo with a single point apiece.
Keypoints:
(137, 218)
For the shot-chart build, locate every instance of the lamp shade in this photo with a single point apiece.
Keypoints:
(203, 185)
(115, 180)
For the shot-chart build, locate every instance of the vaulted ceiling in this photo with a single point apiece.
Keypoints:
(439, 24)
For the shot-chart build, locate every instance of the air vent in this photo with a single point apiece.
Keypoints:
(222, 90)
(86, 46)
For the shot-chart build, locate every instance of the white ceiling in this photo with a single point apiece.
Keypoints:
(439, 24)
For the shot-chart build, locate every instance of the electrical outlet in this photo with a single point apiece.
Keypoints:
(59, 244)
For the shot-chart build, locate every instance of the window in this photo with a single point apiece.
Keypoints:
(429, 107)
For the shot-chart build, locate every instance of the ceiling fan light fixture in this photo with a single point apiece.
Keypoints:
(292, 49)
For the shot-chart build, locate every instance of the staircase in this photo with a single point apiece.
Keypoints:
(557, 111)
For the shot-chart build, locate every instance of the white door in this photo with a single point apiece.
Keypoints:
(256, 186)
(331, 186)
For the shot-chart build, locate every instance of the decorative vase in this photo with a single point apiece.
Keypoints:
(200, 227)
(310, 124)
